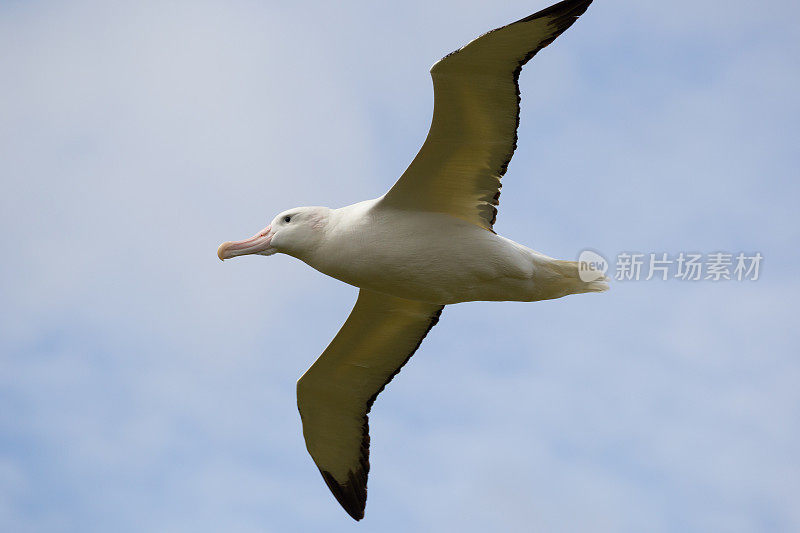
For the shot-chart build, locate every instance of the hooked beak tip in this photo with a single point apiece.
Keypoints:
(221, 251)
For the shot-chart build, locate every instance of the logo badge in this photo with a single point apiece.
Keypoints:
(591, 266)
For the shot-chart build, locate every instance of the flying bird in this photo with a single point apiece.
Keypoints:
(428, 242)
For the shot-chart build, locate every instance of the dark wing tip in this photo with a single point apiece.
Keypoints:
(352, 495)
(561, 16)
(562, 11)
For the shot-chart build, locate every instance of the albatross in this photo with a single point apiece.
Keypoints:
(428, 242)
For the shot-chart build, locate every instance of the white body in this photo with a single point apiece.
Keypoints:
(435, 258)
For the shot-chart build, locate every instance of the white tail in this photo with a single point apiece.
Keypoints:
(555, 278)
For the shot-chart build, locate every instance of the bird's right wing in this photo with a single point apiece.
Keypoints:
(475, 117)
(336, 393)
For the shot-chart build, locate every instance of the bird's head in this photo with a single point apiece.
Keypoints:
(294, 232)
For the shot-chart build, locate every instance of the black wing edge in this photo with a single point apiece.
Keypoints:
(564, 15)
(565, 9)
(352, 495)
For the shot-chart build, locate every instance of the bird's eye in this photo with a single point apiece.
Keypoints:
(287, 219)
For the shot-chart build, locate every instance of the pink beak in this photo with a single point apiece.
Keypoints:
(257, 244)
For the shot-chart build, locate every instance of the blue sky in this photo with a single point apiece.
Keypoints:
(145, 386)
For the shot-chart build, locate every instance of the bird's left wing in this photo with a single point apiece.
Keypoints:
(475, 117)
(336, 393)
